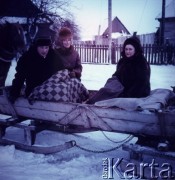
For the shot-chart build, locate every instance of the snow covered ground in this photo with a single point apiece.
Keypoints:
(74, 163)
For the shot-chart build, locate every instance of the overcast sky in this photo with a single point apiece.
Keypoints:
(136, 15)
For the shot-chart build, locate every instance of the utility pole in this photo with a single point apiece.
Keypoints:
(98, 39)
(162, 30)
(162, 26)
(109, 27)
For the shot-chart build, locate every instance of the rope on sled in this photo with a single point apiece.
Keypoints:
(126, 140)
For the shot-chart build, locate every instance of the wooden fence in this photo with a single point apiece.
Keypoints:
(155, 54)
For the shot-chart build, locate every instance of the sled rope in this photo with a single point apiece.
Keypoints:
(113, 140)
(129, 138)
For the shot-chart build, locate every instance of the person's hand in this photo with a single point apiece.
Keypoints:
(72, 74)
(12, 99)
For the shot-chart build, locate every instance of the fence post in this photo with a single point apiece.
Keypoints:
(113, 53)
(155, 54)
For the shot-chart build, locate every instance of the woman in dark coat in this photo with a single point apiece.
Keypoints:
(132, 77)
(133, 70)
(34, 67)
(67, 54)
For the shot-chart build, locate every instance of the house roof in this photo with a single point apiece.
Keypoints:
(169, 11)
(117, 26)
(18, 8)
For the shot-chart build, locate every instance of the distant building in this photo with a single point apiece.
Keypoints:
(118, 29)
(18, 8)
(169, 23)
(120, 33)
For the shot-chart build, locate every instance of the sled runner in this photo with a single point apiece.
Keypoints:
(147, 163)
(150, 116)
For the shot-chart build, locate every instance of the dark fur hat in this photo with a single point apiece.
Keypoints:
(134, 41)
(43, 41)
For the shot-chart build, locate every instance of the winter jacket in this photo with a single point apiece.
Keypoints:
(70, 60)
(134, 74)
(33, 69)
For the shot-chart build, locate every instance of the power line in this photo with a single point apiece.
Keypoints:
(141, 17)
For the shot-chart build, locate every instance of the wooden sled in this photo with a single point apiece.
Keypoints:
(30, 131)
(74, 117)
(146, 163)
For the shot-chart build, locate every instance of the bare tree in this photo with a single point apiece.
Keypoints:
(56, 12)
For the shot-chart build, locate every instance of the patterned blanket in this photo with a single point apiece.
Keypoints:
(60, 87)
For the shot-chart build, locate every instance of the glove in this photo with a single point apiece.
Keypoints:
(12, 99)
(1, 91)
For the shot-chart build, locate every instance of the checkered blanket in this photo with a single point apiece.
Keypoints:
(60, 87)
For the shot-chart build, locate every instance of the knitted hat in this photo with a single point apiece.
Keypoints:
(134, 41)
(43, 41)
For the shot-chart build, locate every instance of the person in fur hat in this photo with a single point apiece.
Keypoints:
(67, 54)
(133, 70)
(132, 76)
(35, 66)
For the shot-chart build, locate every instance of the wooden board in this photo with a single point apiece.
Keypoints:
(39, 149)
(90, 116)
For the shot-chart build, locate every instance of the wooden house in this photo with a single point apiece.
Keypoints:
(33, 20)
(169, 23)
(18, 8)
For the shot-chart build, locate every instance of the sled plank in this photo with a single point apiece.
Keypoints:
(56, 111)
(89, 116)
(38, 149)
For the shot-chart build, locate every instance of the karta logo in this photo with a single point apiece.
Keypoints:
(153, 170)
